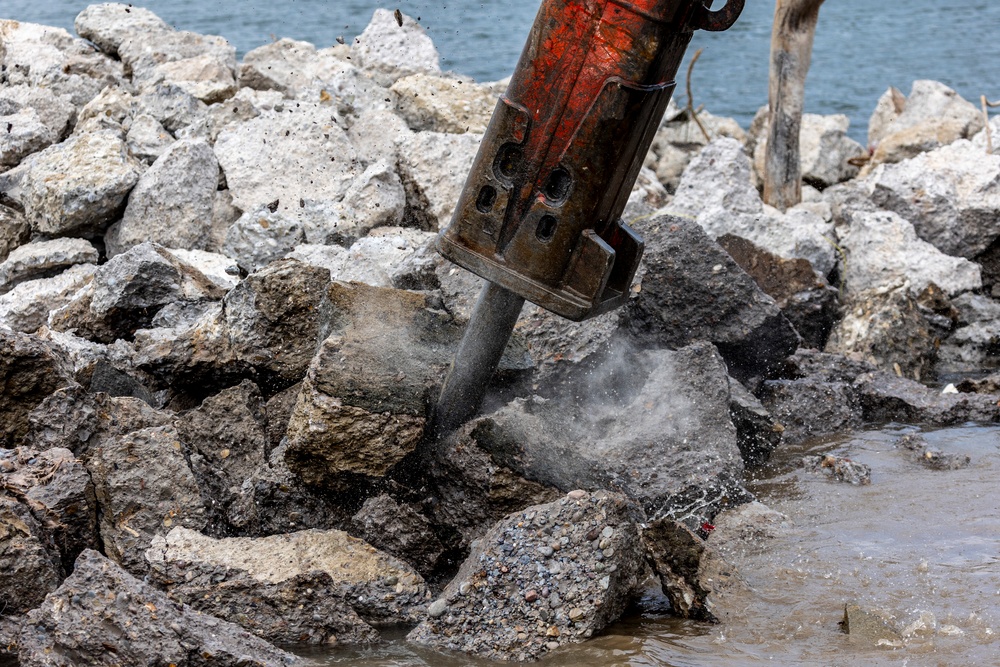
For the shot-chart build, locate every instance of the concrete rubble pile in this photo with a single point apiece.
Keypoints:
(223, 328)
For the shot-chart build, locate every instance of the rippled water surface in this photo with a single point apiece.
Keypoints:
(862, 47)
(920, 545)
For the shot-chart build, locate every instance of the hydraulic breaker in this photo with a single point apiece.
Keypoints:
(539, 217)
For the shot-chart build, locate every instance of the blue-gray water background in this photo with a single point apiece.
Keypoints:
(862, 46)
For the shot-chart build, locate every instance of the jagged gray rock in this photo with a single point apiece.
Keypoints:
(268, 327)
(31, 370)
(400, 530)
(172, 200)
(291, 67)
(14, 231)
(140, 502)
(307, 608)
(652, 425)
(433, 167)
(811, 407)
(444, 103)
(226, 443)
(110, 24)
(692, 573)
(825, 149)
(375, 198)
(127, 292)
(78, 186)
(261, 236)
(44, 259)
(56, 489)
(690, 289)
(204, 66)
(34, 117)
(176, 109)
(932, 116)
(78, 420)
(950, 195)
(380, 588)
(299, 157)
(388, 51)
(147, 139)
(30, 567)
(886, 327)
(810, 303)
(388, 257)
(46, 57)
(971, 347)
(27, 307)
(717, 191)
(101, 615)
(541, 578)
(882, 248)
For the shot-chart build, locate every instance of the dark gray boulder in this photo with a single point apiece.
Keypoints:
(30, 567)
(145, 487)
(80, 421)
(758, 433)
(101, 615)
(811, 407)
(273, 500)
(543, 577)
(400, 530)
(226, 443)
(30, 370)
(820, 393)
(662, 438)
(887, 398)
(57, 490)
(804, 296)
(691, 290)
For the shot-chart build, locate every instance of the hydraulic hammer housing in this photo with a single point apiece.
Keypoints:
(540, 212)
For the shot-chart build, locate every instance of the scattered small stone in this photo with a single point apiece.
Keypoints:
(839, 468)
(531, 596)
(867, 626)
(932, 457)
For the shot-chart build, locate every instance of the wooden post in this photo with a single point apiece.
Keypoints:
(791, 51)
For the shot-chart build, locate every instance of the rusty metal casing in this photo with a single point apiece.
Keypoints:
(539, 214)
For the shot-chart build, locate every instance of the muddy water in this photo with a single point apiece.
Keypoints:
(918, 545)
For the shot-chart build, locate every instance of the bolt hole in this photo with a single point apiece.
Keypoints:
(558, 185)
(487, 197)
(546, 228)
(507, 161)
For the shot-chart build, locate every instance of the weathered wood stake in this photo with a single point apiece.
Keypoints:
(791, 52)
